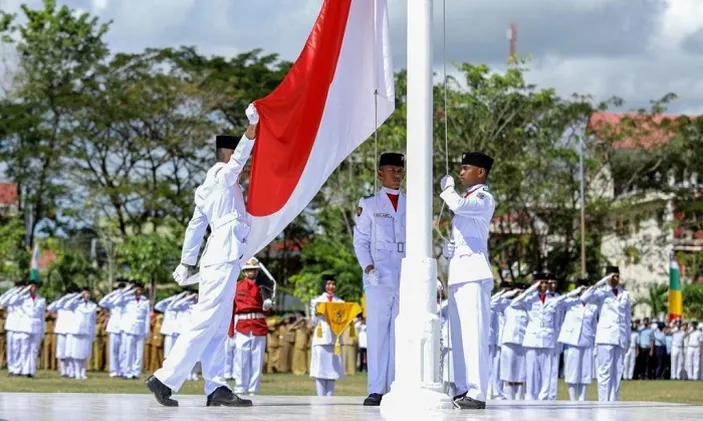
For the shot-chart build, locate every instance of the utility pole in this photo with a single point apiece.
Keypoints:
(512, 38)
(583, 211)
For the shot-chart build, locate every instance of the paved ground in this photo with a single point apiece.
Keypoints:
(105, 407)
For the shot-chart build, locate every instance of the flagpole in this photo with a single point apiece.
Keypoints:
(417, 382)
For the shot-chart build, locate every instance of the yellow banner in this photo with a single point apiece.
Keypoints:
(339, 316)
(675, 304)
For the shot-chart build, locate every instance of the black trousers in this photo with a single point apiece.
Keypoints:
(642, 364)
(660, 361)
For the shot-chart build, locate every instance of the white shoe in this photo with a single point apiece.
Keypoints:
(114, 375)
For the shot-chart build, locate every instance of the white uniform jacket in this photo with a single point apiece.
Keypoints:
(580, 321)
(472, 218)
(219, 203)
(381, 244)
(31, 312)
(541, 330)
(614, 320)
(328, 337)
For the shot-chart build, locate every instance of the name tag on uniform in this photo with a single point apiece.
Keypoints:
(383, 215)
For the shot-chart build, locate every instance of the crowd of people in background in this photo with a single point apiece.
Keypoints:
(124, 335)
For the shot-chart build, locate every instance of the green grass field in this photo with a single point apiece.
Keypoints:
(286, 384)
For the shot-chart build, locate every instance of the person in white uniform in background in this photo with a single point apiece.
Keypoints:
(628, 371)
(113, 328)
(579, 333)
(135, 324)
(512, 371)
(379, 245)
(64, 318)
(31, 308)
(498, 305)
(693, 351)
(325, 366)
(169, 320)
(82, 332)
(613, 331)
(179, 310)
(219, 204)
(552, 285)
(540, 336)
(470, 278)
(677, 351)
(11, 324)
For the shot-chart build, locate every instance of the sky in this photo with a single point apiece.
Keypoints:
(638, 50)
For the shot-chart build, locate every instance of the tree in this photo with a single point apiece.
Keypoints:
(656, 299)
(58, 52)
(693, 301)
(149, 258)
(71, 268)
(14, 259)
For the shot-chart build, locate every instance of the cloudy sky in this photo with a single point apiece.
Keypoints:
(635, 49)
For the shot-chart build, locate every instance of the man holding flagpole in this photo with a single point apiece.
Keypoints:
(219, 204)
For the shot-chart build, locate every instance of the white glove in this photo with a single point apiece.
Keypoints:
(446, 182)
(440, 285)
(604, 281)
(448, 250)
(252, 115)
(267, 305)
(372, 277)
(181, 273)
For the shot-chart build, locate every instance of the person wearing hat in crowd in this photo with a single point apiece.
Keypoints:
(114, 327)
(219, 204)
(470, 278)
(552, 285)
(325, 366)
(645, 343)
(498, 305)
(135, 323)
(81, 332)
(511, 370)
(578, 332)
(628, 371)
(31, 308)
(678, 335)
(612, 332)
(252, 303)
(541, 336)
(12, 320)
(693, 351)
(379, 245)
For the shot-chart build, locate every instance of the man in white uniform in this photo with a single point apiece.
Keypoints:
(552, 284)
(677, 351)
(379, 245)
(30, 327)
(11, 325)
(693, 351)
(135, 325)
(219, 203)
(470, 279)
(612, 333)
(114, 329)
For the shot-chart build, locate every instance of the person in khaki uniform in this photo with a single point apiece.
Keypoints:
(47, 358)
(273, 350)
(156, 354)
(147, 342)
(97, 358)
(300, 346)
(3, 338)
(349, 350)
(286, 342)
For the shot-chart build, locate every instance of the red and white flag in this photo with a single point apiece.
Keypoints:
(321, 112)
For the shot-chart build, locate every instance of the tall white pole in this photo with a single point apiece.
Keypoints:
(417, 382)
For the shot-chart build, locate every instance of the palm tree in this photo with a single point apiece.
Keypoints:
(656, 299)
(693, 301)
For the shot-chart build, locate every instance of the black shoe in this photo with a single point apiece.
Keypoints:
(374, 399)
(222, 396)
(466, 402)
(160, 391)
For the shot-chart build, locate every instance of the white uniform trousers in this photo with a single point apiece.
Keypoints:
(677, 357)
(229, 358)
(124, 355)
(628, 371)
(249, 360)
(495, 386)
(578, 371)
(693, 362)
(610, 366)
(134, 347)
(538, 365)
(554, 375)
(470, 319)
(324, 387)
(169, 341)
(14, 364)
(381, 312)
(204, 337)
(115, 346)
(28, 344)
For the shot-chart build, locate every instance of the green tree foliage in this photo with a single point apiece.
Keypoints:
(149, 258)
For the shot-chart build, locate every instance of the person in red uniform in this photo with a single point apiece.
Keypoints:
(252, 303)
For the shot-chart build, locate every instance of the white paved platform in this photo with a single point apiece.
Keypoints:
(89, 407)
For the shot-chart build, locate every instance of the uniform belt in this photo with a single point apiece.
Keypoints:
(250, 316)
(232, 216)
(399, 247)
